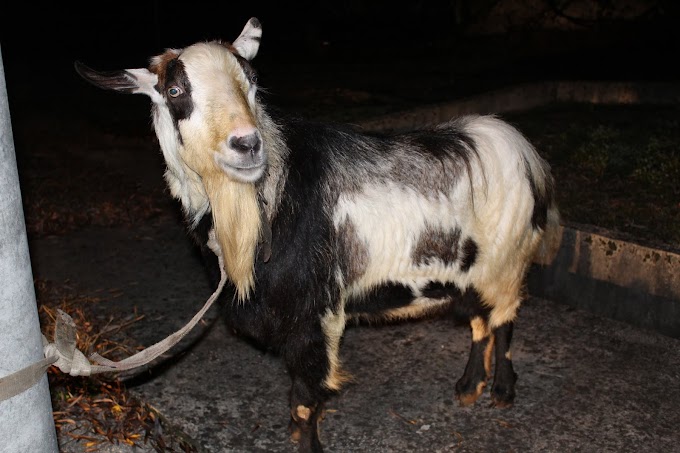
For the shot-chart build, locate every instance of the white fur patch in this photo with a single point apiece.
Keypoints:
(146, 81)
(495, 212)
(389, 219)
(184, 183)
(248, 42)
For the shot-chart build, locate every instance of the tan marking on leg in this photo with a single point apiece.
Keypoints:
(508, 355)
(337, 379)
(303, 412)
(470, 398)
(479, 329)
(488, 355)
(333, 326)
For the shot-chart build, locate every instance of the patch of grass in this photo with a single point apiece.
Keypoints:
(616, 167)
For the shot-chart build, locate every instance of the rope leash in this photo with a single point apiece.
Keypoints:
(63, 353)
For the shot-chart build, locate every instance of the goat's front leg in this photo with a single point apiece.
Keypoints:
(312, 359)
(306, 411)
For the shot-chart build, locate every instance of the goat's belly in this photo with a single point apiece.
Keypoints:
(394, 301)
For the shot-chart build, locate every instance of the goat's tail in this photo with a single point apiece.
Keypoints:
(552, 238)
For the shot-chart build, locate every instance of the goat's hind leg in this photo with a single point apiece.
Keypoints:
(503, 389)
(486, 341)
(478, 369)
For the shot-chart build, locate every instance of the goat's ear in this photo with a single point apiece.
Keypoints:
(248, 41)
(137, 81)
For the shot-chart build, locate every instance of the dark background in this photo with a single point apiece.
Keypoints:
(551, 38)
(345, 59)
(361, 58)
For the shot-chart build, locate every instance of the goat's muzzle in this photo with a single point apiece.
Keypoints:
(246, 144)
(242, 156)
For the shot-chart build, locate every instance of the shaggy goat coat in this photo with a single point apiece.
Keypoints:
(321, 224)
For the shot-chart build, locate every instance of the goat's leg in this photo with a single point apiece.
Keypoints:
(312, 359)
(306, 411)
(478, 368)
(503, 388)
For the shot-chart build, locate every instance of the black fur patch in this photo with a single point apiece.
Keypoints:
(469, 254)
(248, 70)
(108, 80)
(437, 244)
(474, 370)
(438, 157)
(441, 141)
(386, 297)
(542, 200)
(445, 245)
(503, 390)
(464, 306)
(182, 105)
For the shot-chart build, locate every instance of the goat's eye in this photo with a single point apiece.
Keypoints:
(175, 91)
(253, 78)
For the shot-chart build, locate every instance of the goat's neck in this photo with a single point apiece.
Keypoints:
(271, 187)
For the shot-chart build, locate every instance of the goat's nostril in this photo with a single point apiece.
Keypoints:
(246, 143)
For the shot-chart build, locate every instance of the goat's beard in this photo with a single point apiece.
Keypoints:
(237, 224)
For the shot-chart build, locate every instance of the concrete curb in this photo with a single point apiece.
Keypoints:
(592, 269)
(611, 277)
(528, 96)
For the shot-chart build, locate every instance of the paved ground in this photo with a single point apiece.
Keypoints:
(586, 383)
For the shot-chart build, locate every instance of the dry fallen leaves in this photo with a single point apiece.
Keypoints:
(98, 410)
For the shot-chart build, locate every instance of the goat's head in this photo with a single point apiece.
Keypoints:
(204, 105)
(206, 119)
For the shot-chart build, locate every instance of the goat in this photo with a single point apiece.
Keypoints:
(321, 224)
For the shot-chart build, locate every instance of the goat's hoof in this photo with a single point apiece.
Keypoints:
(306, 442)
(502, 397)
(295, 435)
(467, 394)
(304, 432)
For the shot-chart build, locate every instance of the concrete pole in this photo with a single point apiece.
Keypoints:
(26, 423)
